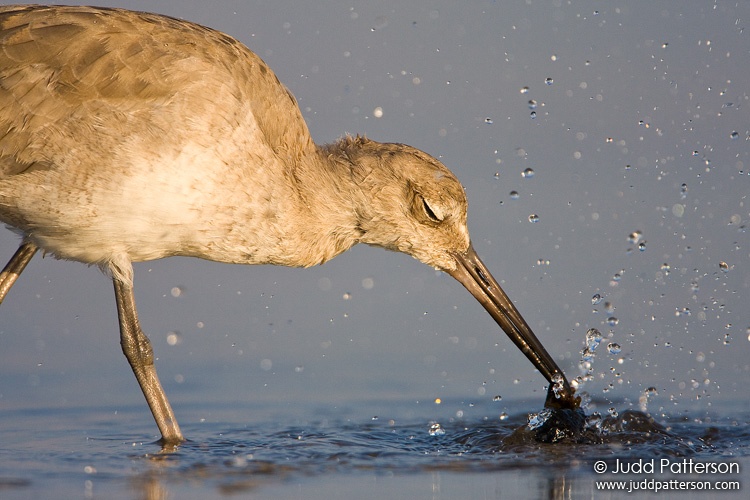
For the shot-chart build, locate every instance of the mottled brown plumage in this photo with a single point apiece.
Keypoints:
(129, 136)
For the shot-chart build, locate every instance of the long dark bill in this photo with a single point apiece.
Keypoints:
(473, 274)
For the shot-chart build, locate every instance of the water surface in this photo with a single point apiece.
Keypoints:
(370, 449)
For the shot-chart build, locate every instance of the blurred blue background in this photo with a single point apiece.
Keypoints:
(633, 117)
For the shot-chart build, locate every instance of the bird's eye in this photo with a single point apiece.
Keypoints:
(431, 213)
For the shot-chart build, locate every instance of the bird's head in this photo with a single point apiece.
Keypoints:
(410, 202)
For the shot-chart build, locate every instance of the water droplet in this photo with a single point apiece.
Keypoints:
(609, 140)
(533, 218)
(635, 237)
(503, 416)
(685, 311)
(612, 412)
(614, 348)
(436, 430)
(488, 120)
(549, 81)
(532, 104)
(514, 195)
(642, 246)
(594, 420)
(532, 114)
(734, 135)
(174, 338)
(587, 354)
(497, 175)
(723, 266)
(524, 90)
(612, 321)
(497, 398)
(536, 420)
(377, 112)
(596, 299)
(593, 338)
(696, 153)
(528, 173)
(347, 296)
(558, 384)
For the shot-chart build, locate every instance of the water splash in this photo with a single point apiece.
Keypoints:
(644, 398)
(593, 338)
(614, 348)
(635, 237)
(436, 429)
(536, 420)
(557, 385)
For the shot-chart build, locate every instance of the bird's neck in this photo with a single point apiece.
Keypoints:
(328, 201)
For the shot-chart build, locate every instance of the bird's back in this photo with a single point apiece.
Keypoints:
(73, 72)
(140, 135)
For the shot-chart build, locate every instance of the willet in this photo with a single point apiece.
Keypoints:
(128, 137)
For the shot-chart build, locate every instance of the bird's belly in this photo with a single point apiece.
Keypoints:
(151, 210)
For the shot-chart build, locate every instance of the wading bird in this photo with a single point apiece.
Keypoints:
(127, 137)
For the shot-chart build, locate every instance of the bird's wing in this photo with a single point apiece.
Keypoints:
(100, 73)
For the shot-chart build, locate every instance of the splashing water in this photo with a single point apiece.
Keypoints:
(436, 430)
(558, 385)
(593, 339)
(536, 420)
(647, 395)
(614, 348)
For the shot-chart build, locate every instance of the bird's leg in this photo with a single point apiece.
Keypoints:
(137, 349)
(15, 266)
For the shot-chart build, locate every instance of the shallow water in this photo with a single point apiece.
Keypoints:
(314, 451)
(637, 113)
